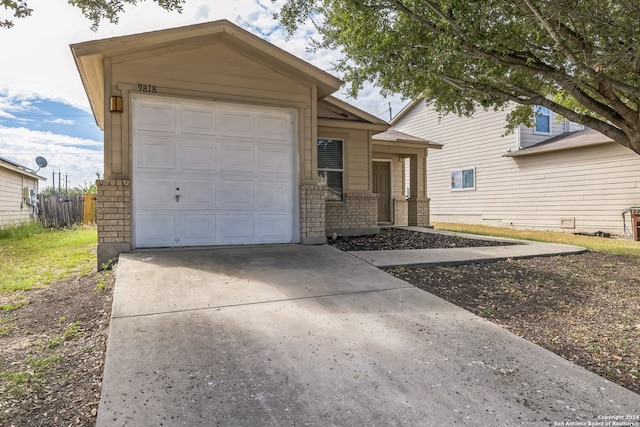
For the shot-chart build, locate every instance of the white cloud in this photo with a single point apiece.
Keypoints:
(60, 121)
(79, 158)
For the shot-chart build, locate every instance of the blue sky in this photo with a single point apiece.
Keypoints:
(44, 110)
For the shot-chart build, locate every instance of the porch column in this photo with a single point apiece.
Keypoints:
(418, 203)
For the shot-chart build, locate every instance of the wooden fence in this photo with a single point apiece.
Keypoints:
(66, 209)
(89, 214)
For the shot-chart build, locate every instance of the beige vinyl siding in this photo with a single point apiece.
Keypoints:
(212, 72)
(13, 210)
(590, 185)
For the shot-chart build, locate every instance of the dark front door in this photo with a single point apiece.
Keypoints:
(381, 184)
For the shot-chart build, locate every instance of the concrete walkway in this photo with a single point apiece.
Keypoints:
(309, 335)
(426, 257)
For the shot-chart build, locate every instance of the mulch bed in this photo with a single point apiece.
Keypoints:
(398, 238)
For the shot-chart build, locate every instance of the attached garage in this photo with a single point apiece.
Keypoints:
(210, 173)
(211, 137)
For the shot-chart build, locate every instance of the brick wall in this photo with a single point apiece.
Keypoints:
(418, 212)
(400, 212)
(312, 214)
(113, 211)
(358, 211)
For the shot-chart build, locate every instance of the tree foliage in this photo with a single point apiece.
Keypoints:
(94, 10)
(579, 58)
(15, 9)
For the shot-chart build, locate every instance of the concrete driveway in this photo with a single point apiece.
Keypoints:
(309, 335)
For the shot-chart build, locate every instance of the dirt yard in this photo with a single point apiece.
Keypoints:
(585, 308)
(52, 352)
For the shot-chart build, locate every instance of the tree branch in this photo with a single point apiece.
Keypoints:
(592, 72)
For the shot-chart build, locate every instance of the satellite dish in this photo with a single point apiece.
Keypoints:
(42, 162)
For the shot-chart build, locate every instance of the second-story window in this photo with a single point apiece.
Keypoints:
(543, 119)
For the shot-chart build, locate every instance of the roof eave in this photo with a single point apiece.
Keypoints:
(21, 171)
(536, 150)
(405, 110)
(355, 111)
(407, 144)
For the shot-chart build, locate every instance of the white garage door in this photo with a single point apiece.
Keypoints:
(208, 173)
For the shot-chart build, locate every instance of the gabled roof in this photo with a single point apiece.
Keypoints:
(89, 56)
(16, 167)
(410, 106)
(403, 138)
(335, 112)
(334, 108)
(565, 141)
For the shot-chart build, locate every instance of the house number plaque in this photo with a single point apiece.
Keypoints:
(147, 88)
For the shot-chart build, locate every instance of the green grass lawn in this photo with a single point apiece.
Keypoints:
(618, 246)
(32, 256)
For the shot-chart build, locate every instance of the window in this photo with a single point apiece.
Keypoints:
(543, 119)
(463, 179)
(331, 167)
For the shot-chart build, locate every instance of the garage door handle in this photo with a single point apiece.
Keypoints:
(177, 198)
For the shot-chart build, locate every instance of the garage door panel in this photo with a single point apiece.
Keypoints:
(274, 127)
(236, 228)
(154, 230)
(274, 160)
(152, 117)
(197, 229)
(198, 156)
(151, 191)
(237, 158)
(155, 154)
(195, 193)
(273, 228)
(236, 124)
(273, 194)
(197, 121)
(235, 194)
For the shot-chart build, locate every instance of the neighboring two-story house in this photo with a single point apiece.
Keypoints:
(555, 176)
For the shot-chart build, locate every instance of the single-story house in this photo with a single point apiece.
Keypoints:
(555, 176)
(213, 136)
(18, 193)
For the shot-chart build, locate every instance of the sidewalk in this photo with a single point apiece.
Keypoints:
(453, 256)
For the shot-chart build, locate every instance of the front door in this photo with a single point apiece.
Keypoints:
(381, 186)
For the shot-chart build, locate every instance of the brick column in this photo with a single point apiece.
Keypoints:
(312, 214)
(418, 212)
(400, 212)
(113, 219)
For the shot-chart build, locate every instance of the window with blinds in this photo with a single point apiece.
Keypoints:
(331, 167)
